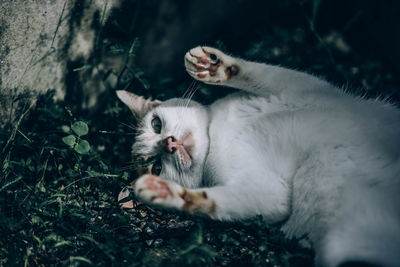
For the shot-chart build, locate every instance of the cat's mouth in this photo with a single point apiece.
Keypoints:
(185, 149)
(184, 153)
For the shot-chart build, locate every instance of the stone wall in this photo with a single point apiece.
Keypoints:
(39, 41)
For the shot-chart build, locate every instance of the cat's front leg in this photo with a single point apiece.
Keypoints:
(229, 202)
(158, 191)
(210, 65)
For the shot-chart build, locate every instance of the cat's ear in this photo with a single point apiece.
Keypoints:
(137, 104)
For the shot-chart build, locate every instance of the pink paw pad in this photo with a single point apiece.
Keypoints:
(156, 184)
(200, 67)
(203, 60)
(202, 74)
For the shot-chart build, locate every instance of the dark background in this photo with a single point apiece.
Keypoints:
(350, 43)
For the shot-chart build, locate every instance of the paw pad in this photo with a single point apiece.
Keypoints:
(157, 185)
(153, 189)
(210, 65)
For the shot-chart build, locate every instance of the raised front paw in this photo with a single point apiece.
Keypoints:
(210, 65)
(155, 190)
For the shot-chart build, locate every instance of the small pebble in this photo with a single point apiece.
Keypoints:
(158, 242)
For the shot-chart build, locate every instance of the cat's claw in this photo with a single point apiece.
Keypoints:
(210, 65)
(155, 190)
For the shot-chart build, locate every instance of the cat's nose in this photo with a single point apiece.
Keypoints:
(171, 144)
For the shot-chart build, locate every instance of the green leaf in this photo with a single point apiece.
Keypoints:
(11, 183)
(82, 147)
(80, 128)
(117, 49)
(65, 129)
(36, 220)
(63, 243)
(5, 165)
(69, 140)
(47, 202)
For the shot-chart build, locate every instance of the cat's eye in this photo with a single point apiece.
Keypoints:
(157, 167)
(156, 125)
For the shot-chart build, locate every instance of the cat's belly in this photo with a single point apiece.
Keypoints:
(252, 136)
(325, 154)
(246, 141)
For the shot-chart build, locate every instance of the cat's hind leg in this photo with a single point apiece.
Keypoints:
(366, 232)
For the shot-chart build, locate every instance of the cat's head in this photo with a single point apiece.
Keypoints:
(172, 134)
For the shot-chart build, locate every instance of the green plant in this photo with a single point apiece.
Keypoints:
(74, 140)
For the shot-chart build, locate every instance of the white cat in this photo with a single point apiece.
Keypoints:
(290, 147)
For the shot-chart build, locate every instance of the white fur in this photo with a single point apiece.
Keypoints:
(298, 151)
(173, 201)
(177, 119)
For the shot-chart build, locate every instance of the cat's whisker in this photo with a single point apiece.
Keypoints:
(129, 167)
(189, 89)
(188, 94)
(184, 101)
(115, 133)
(191, 95)
(133, 127)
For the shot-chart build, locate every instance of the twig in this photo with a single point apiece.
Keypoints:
(44, 170)
(58, 25)
(103, 14)
(93, 176)
(23, 135)
(311, 22)
(107, 132)
(14, 132)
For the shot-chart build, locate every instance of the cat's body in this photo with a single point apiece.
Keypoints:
(291, 147)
